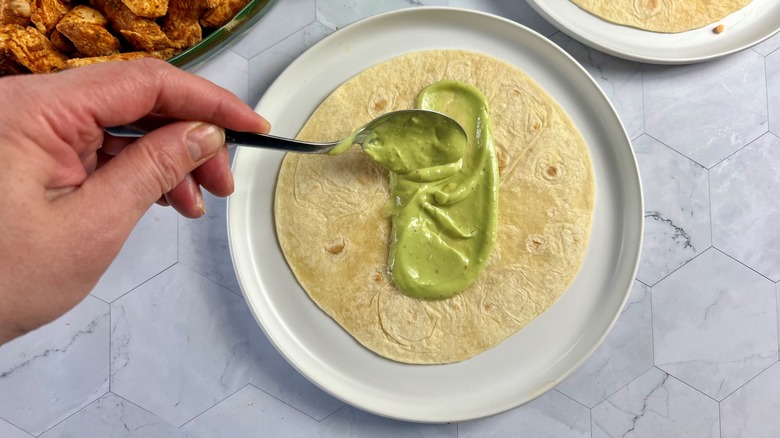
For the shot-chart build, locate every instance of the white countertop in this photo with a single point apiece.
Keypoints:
(165, 346)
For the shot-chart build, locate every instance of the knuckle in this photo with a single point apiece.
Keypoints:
(164, 167)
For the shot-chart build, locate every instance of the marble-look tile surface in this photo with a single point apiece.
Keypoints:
(552, 415)
(620, 80)
(52, 372)
(203, 244)
(352, 422)
(714, 324)
(707, 111)
(339, 13)
(112, 416)
(186, 338)
(266, 67)
(626, 353)
(751, 411)
(189, 360)
(150, 249)
(656, 405)
(773, 89)
(769, 45)
(677, 209)
(518, 11)
(270, 372)
(8, 430)
(228, 70)
(286, 17)
(744, 217)
(251, 412)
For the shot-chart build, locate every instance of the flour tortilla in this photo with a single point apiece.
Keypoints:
(667, 16)
(332, 224)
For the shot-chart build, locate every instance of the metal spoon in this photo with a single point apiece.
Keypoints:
(286, 144)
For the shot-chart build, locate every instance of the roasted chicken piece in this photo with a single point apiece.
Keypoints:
(126, 56)
(45, 14)
(15, 12)
(10, 67)
(142, 33)
(61, 43)
(181, 24)
(147, 8)
(222, 13)
(29, 48)
(85, 27)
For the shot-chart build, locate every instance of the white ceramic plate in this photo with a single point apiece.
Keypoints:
(527, 364)
(749, 26)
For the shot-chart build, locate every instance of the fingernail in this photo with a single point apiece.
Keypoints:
(204, 139)
(199, 204)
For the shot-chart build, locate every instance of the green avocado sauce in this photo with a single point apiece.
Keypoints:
(445, 195)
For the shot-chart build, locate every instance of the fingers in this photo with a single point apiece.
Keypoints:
(186, 198)
(214, 175)
(150, 167)
(153, 86)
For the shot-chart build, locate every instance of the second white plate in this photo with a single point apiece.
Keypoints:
(527, 364)
(749, 26)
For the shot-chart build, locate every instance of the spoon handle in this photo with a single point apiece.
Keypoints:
(246, 139)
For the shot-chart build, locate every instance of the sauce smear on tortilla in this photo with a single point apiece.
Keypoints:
(445, 199)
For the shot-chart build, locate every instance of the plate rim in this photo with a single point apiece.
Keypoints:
(634, 255)
(548, 14)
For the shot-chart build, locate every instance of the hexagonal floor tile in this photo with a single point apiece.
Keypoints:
(714, 324)
(149, 250)
(283, 20)
(656, 405)
(8, 430)
(56, 370)
(626, 353)
(251, 412)
(271, 373)
(269, 64)
(520, 12)
(186, 338)
(773, 85)
(751, 411)
(336, 15)
(707, 111)
(203, 244)
(552, 415)
(109, 414)
(620, 80)
(351, 422)
(744, 213)
(677, 211)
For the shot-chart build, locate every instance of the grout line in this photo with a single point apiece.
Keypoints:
(572, 399)
(679, 379)
(143, 283)
(212, 406)
(748, 381)
(71, 415)
(681, 266)
(291, 406)
(743, 264)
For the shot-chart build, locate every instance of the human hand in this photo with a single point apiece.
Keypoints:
(70, 195)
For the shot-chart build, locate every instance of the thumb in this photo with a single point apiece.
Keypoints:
(132, 181)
